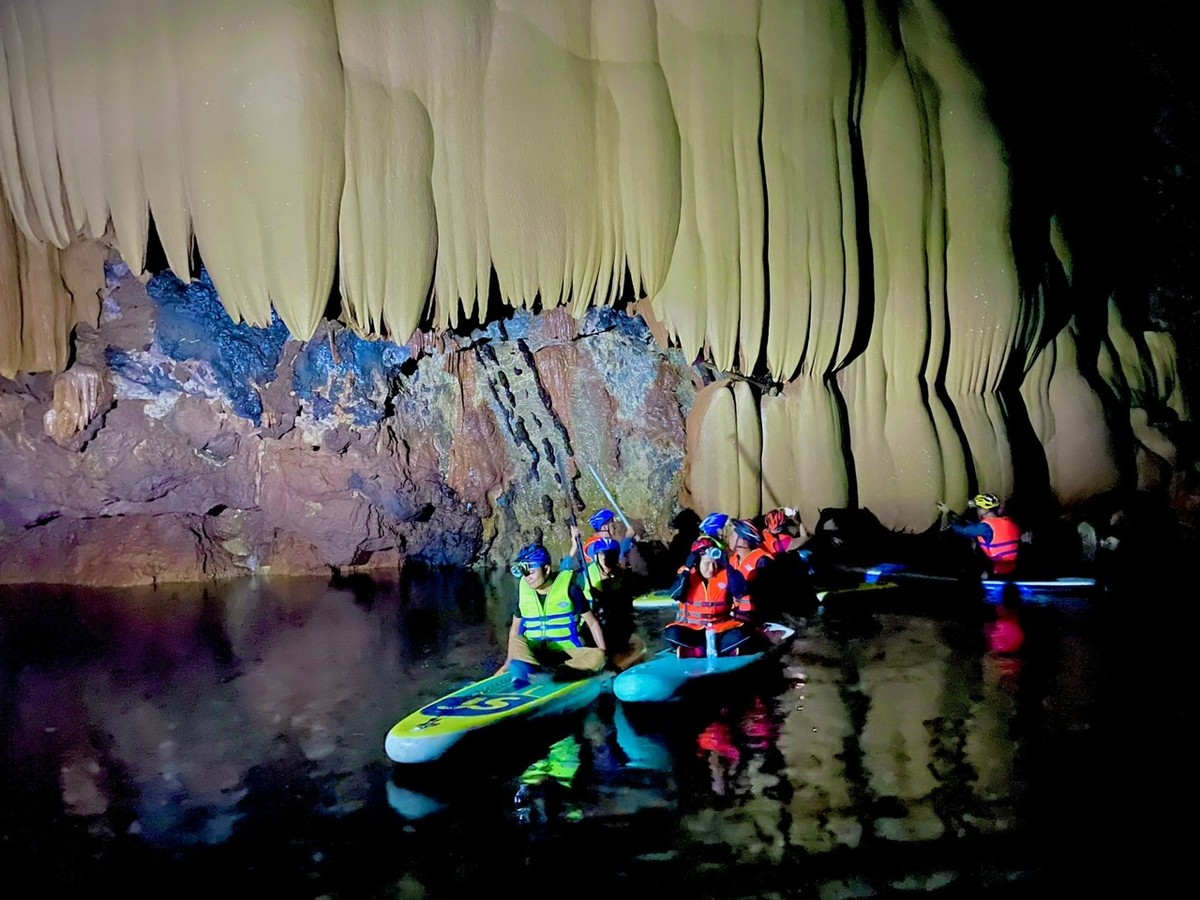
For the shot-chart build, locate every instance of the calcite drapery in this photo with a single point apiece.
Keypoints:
(807, 190)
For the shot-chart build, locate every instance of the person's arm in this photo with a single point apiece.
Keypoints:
(972, 529)
(802, 537)
(627, 543)
(676, 590)
(513, 632)
(738, 593)
(584, 611)
(593, 625)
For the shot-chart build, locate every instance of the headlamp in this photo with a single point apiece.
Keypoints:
(520, 570)
(713, 553)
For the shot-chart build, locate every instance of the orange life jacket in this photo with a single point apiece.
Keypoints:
(588, 554)
(1001, 550)
(707, 604)
(775, 543)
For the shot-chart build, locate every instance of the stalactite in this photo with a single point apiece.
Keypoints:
(808, 167)
(1069, 420)
(724, 450)
(804, 457)
(263, 151)
(713, 295)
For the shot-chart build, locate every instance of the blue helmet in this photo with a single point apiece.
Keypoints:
(747, 531)
(600, 518)
(531, 556)
(713, 523)
(603, 545)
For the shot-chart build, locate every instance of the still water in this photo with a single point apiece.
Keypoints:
(187, 740)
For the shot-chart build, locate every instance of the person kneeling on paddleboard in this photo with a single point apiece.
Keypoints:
(546, 625)
(711, 595)
(998, 536)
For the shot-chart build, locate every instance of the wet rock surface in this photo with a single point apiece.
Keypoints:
(217, 449)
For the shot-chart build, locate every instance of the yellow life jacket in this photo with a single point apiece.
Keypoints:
(549, 620)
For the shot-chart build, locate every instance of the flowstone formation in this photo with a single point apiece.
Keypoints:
(818, 197)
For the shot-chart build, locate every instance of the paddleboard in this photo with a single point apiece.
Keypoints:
(854, 591)
(1041, 591)
(666, 677)
(1031, 590)
(429, 733)
(654, 600)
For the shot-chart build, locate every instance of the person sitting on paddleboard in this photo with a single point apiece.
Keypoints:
(546, 626)
(606, 583)
(777, 534)
(750, 558)
(710, 594)
(997, 536)
(601, 522)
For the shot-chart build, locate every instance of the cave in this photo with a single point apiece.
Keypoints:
(297, 287)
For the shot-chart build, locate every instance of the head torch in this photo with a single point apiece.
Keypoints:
(520, 570)
(713, 553)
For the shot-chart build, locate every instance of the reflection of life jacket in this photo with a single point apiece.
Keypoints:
(748, 565)
(707, 604)
(1006, 636)
(550, 620)
(775, 543)
(1001, 550)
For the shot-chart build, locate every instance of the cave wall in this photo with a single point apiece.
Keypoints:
(181, 446)
(815, 197)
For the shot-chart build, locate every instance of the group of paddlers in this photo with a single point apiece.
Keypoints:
(581, 618)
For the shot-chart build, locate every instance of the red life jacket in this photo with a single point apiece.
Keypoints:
(707, 604)
(1001, 550)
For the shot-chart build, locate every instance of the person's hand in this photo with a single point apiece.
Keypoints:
(942, 507)
(574, 532)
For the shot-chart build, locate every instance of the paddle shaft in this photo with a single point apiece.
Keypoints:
(583, 566)
(608, 494)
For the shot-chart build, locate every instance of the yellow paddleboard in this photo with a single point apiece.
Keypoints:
(428, 733)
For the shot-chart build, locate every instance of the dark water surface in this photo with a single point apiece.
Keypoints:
(194, 740)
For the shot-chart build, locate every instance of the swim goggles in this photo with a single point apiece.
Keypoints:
(520, 570)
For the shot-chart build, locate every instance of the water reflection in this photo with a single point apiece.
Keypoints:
(251, 715)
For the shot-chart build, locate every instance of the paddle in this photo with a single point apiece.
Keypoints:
(611, 498)
(577, 547)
